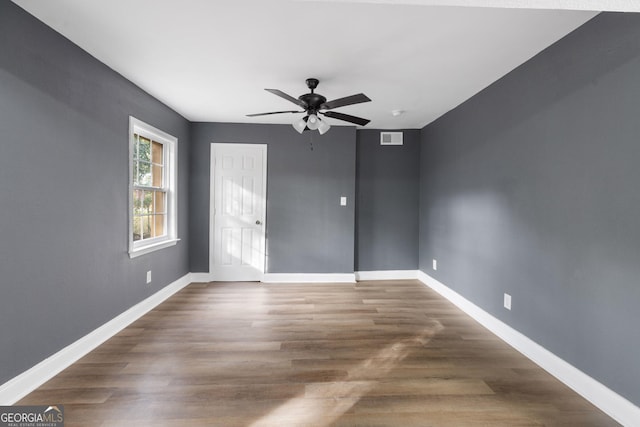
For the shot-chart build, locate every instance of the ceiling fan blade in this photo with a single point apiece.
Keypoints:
(347, 118)
(273, 112)
(290, 98)
(347, 100)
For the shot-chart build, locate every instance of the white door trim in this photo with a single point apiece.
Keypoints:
(263, 147)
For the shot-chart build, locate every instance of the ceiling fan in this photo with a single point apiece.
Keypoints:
(314, 104)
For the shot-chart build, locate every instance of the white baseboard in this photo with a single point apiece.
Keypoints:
(387, 275)
(309, 278)
(201, 277)
(18, 387)
(289, 277)
(614, 405)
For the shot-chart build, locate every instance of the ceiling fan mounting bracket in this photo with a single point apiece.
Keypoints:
(312, 83)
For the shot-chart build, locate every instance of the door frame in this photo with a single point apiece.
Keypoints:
(212, 175)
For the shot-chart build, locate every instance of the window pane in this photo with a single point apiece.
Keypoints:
(136, 228)
(159, 223)
(144, 173)
(157, 176)
(160, 199)
(136, 141)
(146, 226)
(144, 150)
(136, 181)
(138, 196)
(152, 226)
(158, 150)
(147, 202)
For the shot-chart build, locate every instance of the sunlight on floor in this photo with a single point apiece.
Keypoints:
(324, 403)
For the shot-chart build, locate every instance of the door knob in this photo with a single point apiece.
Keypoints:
(258, 222)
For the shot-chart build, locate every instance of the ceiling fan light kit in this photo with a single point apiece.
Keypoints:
(323, 127)
(312, 121)
(313, 104)
(300, 125)
(309, 123)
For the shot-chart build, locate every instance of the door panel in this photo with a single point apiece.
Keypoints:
(238, 183)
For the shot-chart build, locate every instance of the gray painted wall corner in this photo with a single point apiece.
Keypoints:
(387, 179)
(63, 184)
(530, 188)
(307, 229)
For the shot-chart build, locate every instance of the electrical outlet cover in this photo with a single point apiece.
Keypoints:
(507, 301)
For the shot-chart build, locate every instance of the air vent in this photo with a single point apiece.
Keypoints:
(390, 138)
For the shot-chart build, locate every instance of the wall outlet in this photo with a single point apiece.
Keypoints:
(435, 264)
(343, 201)
(507, 301)
(148, 276)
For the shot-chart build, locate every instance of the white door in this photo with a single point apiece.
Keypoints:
(238, 212)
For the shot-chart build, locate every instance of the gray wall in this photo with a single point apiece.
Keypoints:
(532, 188)
(64, 267)
(528, 188)
(307, 229)
(387, 202)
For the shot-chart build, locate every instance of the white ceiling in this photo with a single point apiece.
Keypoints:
(211, 60)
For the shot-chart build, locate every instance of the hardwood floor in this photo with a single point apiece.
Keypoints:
(369, 354)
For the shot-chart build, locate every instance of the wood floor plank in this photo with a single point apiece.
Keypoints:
(387, 353)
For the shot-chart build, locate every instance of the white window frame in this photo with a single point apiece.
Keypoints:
(141, 247)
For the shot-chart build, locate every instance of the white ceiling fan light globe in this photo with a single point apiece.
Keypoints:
(323, 127)
(299, 125)
(313, 121)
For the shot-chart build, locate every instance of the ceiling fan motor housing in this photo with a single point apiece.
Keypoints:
(313, 101)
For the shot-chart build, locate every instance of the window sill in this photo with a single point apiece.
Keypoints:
(152, 247)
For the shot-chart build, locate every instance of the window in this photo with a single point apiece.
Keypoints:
(152, 183)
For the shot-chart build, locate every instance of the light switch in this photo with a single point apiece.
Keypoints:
(343, 201)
